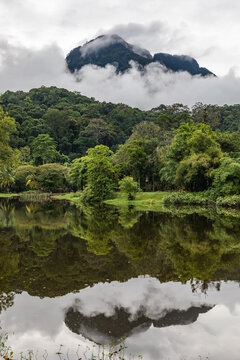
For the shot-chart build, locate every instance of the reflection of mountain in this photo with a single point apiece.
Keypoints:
(104, 329)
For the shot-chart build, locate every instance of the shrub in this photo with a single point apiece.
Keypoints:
(129, 186)
(22, 174)
(229, 201)
(182, 198)
(52, 177)
(227, 177)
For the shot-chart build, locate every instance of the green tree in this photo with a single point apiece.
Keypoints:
(193, 155)
(101, 174)
(44, 150)
(23, 173)
(226, 178)
(7, 154)
(77, 175)
(52, 177)
(129, 186)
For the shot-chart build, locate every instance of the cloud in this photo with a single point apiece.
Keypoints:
(100, 43)
(157, 36)
(23, 69)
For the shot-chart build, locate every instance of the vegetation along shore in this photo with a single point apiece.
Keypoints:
(56, 141)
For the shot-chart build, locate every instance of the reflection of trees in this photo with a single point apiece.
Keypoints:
(6, 213)
(52, 249)
(6, 301)
(189, 246)
(128, 217)
(95, 225)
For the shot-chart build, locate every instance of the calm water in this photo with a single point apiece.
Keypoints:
(167, 282)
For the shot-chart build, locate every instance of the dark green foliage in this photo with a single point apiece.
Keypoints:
(77, 123)
(44, 150)
(7, 154)
(47, 177)
(184, 198)
(101, 174)
(52, 177)
(161, 149)
(73, 121)
(138, 156)
(193, 154)
(227, 177)
(23, 173)
(77, 175)
(229, 201)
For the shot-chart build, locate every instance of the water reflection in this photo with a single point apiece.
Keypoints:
(112, 329)
(52, 249)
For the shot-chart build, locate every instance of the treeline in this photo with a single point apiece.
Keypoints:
(76, 122)
(62, 140)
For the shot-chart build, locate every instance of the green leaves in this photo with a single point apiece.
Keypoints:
(226, 179)
(101, 174)
(128, 186)
(8, 158)
(194, 153)
(44, 150)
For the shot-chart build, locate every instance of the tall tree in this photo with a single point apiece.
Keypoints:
(44, 150)
(101, 174)
(7, 154)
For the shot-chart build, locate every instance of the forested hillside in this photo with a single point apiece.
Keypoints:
(76, 122)
(63, 141)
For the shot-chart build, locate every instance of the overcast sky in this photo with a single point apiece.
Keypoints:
(208, 30)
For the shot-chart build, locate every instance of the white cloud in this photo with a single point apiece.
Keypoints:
(23, 69)
(207, 30)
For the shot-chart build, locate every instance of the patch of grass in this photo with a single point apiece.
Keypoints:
(8, 195)
(74, 198)
(149, 201)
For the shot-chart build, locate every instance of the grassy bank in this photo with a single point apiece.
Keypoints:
(144, 200)
(159, 200)
(8, 195)
(148, 201)
(74, 198)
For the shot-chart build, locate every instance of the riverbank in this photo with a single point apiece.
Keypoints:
(148, 201)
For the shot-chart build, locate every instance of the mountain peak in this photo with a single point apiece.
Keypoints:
(113, 49)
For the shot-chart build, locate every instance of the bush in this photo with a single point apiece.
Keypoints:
(182, 198)
(129, 186)
(52, 177)
(227, 177)
(21, 175)
(229, 201)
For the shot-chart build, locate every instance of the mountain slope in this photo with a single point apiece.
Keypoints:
(107, 50)
(112, 49)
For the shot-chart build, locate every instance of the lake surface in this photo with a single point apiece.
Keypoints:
(166, 284)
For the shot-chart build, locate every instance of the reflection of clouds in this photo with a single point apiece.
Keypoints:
(39, 323)
(208, 337)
